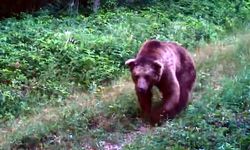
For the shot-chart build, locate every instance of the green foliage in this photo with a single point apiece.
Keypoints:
(236, 92)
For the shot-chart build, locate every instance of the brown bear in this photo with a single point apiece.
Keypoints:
(167, 66)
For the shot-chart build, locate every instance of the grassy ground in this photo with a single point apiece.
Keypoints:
(217, 118)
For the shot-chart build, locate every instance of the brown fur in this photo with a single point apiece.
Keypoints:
(167, 66)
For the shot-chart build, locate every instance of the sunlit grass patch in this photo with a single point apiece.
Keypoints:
(109, 109)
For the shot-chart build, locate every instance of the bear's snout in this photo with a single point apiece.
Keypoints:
(142, 86)
(141, 90)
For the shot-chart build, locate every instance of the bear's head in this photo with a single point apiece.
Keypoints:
(145, 73)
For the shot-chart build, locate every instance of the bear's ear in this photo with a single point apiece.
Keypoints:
(130, 63)
(159, 68)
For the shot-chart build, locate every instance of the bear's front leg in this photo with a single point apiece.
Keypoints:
(145, 102)
(171, 102)
(171, 94)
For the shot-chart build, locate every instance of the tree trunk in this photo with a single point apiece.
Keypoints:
(96, 5)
